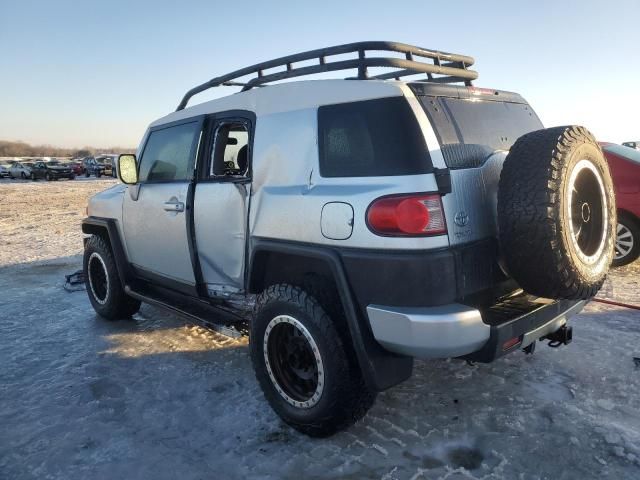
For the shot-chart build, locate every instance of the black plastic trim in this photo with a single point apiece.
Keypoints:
(164, 281)
(98, 225)
(467, 274)
(520, 326)
(381, 368)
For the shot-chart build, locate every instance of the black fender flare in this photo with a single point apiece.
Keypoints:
(381, 369)
(108, 228)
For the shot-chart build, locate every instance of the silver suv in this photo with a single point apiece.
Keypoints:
(352, 225)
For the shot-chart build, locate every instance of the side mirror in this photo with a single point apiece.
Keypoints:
(128, 169)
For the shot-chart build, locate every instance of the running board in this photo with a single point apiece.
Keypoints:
(196, 311)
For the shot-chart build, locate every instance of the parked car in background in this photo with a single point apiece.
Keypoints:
(624, 163)
(76, 167)
(635, 145)
(91, 167)
(4, 170)
(109, 160)
(52, 170)
(20, 170)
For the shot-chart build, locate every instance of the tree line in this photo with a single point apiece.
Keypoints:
(22, 149)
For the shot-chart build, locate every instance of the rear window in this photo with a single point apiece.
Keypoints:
(469, 131)
(371, 138)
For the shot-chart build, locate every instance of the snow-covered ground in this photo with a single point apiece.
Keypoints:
(153, 398)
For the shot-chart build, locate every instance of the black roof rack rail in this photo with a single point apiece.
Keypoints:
(450, 67)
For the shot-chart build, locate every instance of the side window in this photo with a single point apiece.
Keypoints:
(169, 153)
(230, 153)
(371, 138)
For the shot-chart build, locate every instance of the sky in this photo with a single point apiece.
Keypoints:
(76, 73)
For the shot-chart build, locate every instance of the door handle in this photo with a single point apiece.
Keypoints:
(174, 206)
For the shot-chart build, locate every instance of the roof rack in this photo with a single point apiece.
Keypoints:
(450, 67)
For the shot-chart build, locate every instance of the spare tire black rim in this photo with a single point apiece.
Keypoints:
(624, 241)
(587, 210)
(98, 278)
(293, 362)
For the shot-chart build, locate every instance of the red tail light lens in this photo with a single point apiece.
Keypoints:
(407, 215)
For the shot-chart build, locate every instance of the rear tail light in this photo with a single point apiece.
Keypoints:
(407, 215)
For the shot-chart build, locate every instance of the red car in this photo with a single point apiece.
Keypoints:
(624, 163)
(76, 167)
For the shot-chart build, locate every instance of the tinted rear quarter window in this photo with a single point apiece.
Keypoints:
(371, 138)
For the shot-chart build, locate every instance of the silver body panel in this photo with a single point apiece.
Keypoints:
(288, 194)
(472, 210)
(156, 238)
(429, 332)
(220, 215)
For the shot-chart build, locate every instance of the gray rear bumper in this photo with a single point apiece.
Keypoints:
(430, 332)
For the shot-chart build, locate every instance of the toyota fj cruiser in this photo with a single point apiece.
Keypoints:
(356, 224)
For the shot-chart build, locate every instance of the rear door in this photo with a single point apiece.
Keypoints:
(155, 210)
(221, 203)
(475, 129)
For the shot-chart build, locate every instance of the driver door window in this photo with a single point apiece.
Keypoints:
(169, 154)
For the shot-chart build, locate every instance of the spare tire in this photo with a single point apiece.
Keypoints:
(557, 213)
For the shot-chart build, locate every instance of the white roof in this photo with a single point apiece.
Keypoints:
(284, 97)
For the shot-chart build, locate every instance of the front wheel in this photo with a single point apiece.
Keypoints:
(627, 241)
(33, 177)
(23, 176)
(307, 372)
(47, 177)
(98, 174)
(103, 282)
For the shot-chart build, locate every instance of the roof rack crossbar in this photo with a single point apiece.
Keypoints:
(452, 67)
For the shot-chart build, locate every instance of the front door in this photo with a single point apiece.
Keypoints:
(155, 211)
(221, 205)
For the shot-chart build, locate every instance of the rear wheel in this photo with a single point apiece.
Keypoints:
(33, 176)
(47, 177)
(627, 240)
(23, 175)
(556, 213)
(307, 373)
(103, 282)
(98, 174)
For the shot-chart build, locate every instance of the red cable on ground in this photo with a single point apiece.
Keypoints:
(617, 304)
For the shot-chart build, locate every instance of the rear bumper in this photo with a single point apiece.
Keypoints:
(457, 330)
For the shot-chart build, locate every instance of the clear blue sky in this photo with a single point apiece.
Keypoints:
(75, 73)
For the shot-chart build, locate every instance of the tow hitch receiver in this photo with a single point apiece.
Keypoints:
(562, 336)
